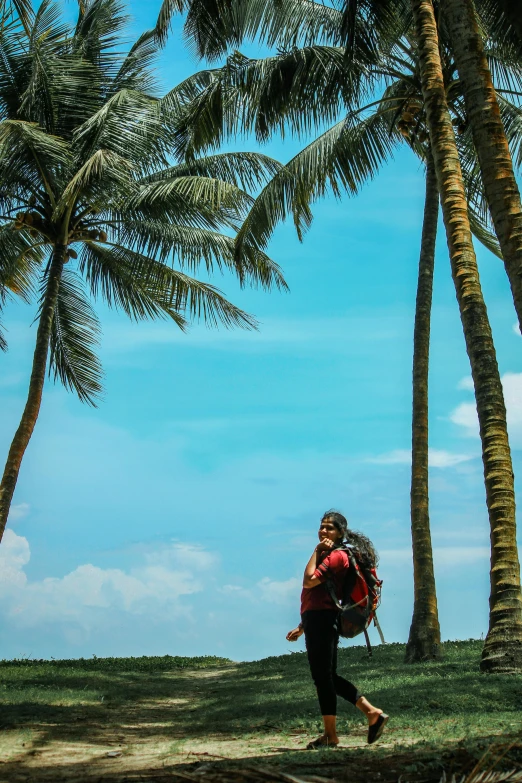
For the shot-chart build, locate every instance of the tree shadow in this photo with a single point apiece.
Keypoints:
(385, 765)
(262, 702)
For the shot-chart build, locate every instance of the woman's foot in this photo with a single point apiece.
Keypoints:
(323, 742)
(376, 728)
(373, 715)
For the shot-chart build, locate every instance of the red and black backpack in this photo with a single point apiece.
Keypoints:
(361, 595)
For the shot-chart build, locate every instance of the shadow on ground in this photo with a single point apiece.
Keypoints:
(421, 765)
(107, 722)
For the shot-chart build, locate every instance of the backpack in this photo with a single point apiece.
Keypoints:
(361, 595)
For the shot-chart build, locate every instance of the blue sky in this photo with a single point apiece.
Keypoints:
(178, 516)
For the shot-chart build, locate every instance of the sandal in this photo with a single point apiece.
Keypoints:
(376, 729)
(321, 742)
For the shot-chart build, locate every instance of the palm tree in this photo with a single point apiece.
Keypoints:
(424, 641)
(489, 136)
(503, 646)
(301, 88)
(95, 201)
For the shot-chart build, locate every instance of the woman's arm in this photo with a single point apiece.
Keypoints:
(309, 580)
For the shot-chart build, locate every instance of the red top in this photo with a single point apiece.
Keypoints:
(333, 565)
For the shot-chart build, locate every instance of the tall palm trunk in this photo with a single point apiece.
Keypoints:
(503, 646)
(34, 396)
(424, 640)
(489, 137)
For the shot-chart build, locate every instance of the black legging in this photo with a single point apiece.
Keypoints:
(322, 638)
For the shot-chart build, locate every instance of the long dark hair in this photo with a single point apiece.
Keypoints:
(365, 550)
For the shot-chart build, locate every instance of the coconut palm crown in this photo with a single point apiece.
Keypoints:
(95, 202)
(363, 27)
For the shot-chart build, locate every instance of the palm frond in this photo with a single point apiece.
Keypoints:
(144, 288)
(12, 76)
(245, 170)
(342, 159)
(164, 21)
(482, 231)
(135, 71)
(512, 119)
(505, 67)
(503, 21)
(46, 38)
(202, 114)
(212, 26)
(103, 165)
(204, 302)
(97, 36)
(24, 145)
(126, 281)
(24, 11)
(296, 23)
(301, 89)
(129, 124)
(177, 99)
(20, 260)
(478, 210)
(74, 335)
(190, 247)
(369, 26)
(202, 201)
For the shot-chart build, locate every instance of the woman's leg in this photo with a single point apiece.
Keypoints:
(321, 647)
(344, 688)
(348, 691)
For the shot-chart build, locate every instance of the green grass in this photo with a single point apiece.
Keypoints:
(90, 681)
(435, 708)
(442, 699)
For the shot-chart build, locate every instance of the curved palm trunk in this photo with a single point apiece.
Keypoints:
(489, 137)
(503, 646)
(34, 397)
(424, 640)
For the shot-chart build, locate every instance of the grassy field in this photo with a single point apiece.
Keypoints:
(142, 718)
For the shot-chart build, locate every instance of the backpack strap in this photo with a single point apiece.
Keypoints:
(368, 645)
(329, 584)
(331, 590)
(375, 620)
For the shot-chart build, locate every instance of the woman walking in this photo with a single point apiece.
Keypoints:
(319, 625)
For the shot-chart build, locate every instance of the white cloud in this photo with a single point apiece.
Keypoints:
(14, 555)
(18, 511)
(466, 384)
(455, 556)
(89, 599)
(442, 556)
(396, 457)
(158, 585)
(437, 458)
(331, 333)
(274, 592)
(268, 591)
(465, 414)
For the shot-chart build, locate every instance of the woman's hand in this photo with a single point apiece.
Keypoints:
(325, 545)
(293, 636)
